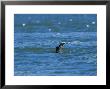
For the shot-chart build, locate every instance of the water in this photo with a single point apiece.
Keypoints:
(37, 35)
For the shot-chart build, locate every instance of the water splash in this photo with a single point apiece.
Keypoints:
(93, 22)
(23, 24)
(49, 29)
(87, 26)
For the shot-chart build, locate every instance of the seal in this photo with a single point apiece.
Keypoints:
(59, 48)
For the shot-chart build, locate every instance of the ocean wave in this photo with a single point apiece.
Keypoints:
(54, 43)
(56, 34)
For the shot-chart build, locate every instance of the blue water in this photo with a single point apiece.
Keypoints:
(37, 35)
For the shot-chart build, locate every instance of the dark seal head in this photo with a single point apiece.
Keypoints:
(58, 48)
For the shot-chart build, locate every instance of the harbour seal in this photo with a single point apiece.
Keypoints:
(59, 48)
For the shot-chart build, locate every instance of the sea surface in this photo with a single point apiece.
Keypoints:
(37, 35)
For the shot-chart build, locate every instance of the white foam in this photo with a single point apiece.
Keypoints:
(76, 42)
(69, 42)
(63, 42)
(87, 26)
(58, 34)
(49, 29)
(73, 42)
(23, 24)
(93, 22)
